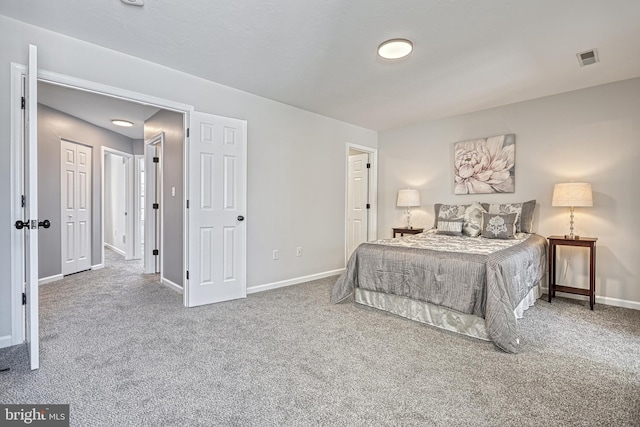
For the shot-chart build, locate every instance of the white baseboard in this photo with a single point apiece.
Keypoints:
(600, 300)
(97, 266)
(295, 281)
(49, 279)
(5, 341)
(116, 250)
(171, 285)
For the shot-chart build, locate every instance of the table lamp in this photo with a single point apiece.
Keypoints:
(572, 194)
(408, 198)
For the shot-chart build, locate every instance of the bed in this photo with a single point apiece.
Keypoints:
(476, 282)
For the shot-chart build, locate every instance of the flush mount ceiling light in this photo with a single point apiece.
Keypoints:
(123, 123)
(395, 48)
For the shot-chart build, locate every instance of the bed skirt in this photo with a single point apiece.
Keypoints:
(441, 317)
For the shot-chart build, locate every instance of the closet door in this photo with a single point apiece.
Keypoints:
(76, 207)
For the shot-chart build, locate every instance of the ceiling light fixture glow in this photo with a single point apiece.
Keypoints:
(123, 123)
(395, 48)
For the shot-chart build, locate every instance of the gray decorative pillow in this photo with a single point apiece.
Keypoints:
(473, 220)
(524, 223)
(497, 226)
(448, 211)
(452, 227)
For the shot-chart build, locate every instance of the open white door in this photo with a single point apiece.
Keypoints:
(216, 203)
(357, 201)
(31, 207)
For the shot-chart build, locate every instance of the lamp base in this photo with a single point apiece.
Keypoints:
(571, 237)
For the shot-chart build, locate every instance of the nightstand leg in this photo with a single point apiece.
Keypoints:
(592, 277)
(552, 269)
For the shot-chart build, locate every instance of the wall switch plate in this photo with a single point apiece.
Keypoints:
(276, 254)
(298, 251)
(173, 191)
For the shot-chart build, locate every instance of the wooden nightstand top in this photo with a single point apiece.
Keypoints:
(404, 230)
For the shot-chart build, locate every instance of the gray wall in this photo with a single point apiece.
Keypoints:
(590, 135)
(53, 126)
(172, 125)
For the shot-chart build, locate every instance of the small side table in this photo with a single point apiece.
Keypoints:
(403, 230)
(589, 242)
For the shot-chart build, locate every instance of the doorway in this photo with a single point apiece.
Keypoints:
(361, 197)
(216, 153)
(118, 216)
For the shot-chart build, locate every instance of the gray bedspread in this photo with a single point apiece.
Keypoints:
(486, 283)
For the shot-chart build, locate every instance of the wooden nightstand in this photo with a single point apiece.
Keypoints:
(403, 230)
(589, 242)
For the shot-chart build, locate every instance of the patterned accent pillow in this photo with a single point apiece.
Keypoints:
(496, 226)
(448, 212)
(452, 227)
(473, 220)
(525, 210)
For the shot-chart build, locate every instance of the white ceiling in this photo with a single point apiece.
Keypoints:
(97, 109)
(320, 55)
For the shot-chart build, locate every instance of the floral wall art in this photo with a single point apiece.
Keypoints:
(487, 165)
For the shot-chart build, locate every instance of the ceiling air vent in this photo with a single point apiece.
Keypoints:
(589, 57)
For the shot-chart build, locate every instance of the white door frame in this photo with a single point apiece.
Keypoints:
(151, 226)
(136, 205)
(372, 223)
(18, 73)
(128, 208)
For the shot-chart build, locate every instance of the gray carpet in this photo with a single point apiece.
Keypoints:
(123, 351)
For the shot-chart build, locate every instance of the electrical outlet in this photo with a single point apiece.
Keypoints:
(298, 251)
(276, 254)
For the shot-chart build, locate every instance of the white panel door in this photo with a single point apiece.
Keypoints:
(31, 207)
(216, 208)
(76, 207)
(357, 199)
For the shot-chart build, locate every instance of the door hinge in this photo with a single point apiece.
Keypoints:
(156, 252)
(368, 206)
(156, 160)
(24, 298)
(24, 201)
(187, 274)
(187, 203)
(23, 103)
(368, 165)
(187, 132)
(156, 206)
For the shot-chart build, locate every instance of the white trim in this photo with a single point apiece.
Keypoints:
(97, 266)
(373, 194)
(171, 285)
(137, 247)
(294, 281)
(6, 341)
(17, 236)
(111, 91)
(113, 248)
(151, 224)
(50, 279)
(615, 302)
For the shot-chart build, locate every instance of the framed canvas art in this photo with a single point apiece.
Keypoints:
(486, 165)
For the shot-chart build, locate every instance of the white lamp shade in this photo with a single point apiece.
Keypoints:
(408, 198)
(572, 194)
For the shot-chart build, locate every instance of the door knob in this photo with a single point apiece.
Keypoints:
(21, 224)
(240, 218)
